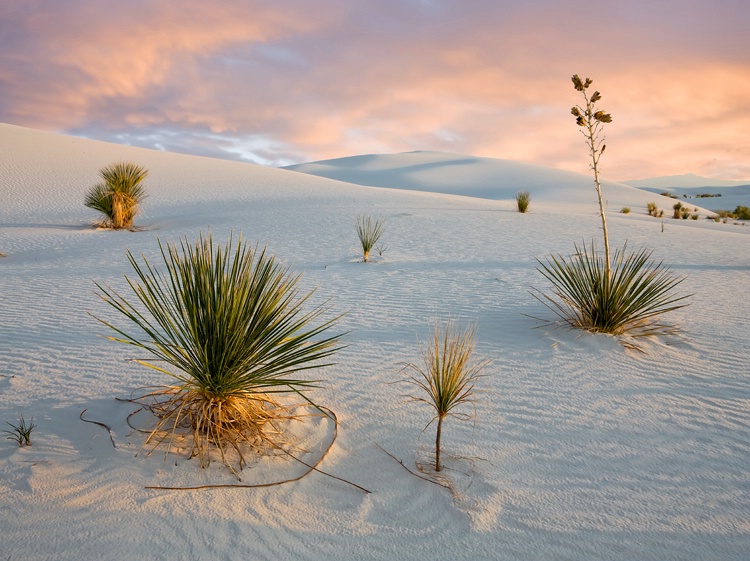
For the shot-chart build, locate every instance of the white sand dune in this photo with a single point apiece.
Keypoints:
(487, 178)
(580, 449)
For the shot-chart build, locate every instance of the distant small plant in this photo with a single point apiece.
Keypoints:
(694, 216)
(447, 375)
(21, 432)
(742, 212)
(670, 195)
(625, 210)
(685, 214)
(652, 209)
(120, 194)
(523, 199)
(369, 231)
(677, 208)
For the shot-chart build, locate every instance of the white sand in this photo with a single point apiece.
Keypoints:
(580, 449)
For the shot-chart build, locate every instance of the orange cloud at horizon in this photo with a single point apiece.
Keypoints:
(481, 77)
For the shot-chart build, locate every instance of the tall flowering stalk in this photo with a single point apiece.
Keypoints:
(591, 122)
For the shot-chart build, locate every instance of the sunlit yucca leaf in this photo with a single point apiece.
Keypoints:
(228, 324)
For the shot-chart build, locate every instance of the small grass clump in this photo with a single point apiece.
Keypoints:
(369, 231)
(21, 432)
(625, 210)
(227, 324)
(447, 375)
(523, 199)
(120, 194)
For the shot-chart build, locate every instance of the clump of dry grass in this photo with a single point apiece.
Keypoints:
(227, 324)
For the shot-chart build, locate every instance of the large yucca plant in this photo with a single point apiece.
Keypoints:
(119, 195)
(630, 301)
(592, 294)
(227, 324)
(369, 231)
(447, 375)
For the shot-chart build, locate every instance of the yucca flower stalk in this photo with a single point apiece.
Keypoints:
(369, 231)
(228, 325)
(447, 375)
(638, 291)
(120, 194)
(591, 122)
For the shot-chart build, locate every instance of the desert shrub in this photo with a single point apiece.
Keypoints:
(694, 216)
(523, 199)
(369, 231)
(447, 375)
(667, 194)
(629, 302)
(119, 195)
(21, 432)
(742, 212)
(677, 208)
(652, 209)
(685, 213)
(625, 210)
(227, 324)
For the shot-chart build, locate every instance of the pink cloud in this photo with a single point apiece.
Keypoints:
(342, 78)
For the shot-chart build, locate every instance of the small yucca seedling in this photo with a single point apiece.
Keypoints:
(21, 432)
(120, 194)
(228, 325)
(625, 210)
(369, 231)
(523, 199)
(446, 376)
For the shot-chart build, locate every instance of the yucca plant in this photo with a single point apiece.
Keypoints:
(446, 375)
(119, 195)
(591, 295)
(523, 199)
(227, 324)
(21, 432)
(638, 291)
(369, 231)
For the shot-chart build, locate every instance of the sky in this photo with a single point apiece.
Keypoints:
(280, 82)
